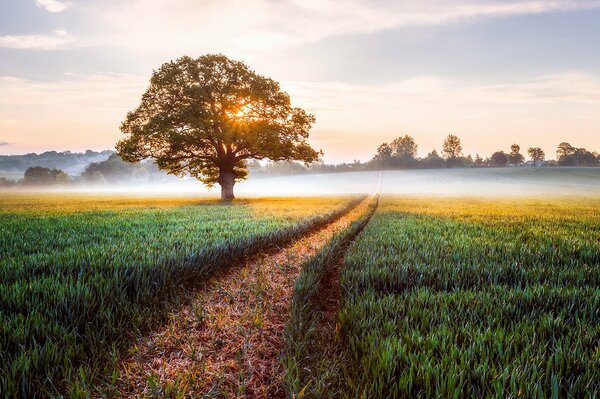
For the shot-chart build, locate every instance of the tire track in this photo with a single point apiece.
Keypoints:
(228, 340)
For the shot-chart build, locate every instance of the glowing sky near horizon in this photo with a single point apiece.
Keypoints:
(493, 72)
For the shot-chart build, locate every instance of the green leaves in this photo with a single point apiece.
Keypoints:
(207, 115)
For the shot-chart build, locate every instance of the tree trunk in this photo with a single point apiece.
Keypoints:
(227, 181)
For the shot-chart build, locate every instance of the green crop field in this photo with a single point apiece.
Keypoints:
(474, 298)
(80, 274)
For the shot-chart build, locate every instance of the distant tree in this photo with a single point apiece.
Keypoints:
(12, 163)
(207, 116)
(515, 157)
(112, 170)
(40, 176)
(383, 157)
(536, 154)
(586, 158)
(4, 182)
(499, 158)
(577, 157)
(404, 146)
(96, 178)
(452, 147)
(433, 160)
(564, 149)
(478, 161)
(284, 168)
(404, 152)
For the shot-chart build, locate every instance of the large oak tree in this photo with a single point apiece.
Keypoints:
(207, 116)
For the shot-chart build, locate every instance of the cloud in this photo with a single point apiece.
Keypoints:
(4, 143)
(352, 119)
(75, 112)
(246, 26)
(58, 39)
(53, 5)
(541, 111)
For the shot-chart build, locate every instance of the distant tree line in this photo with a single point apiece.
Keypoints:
(112, 170)
(401, 153)
(70, 162)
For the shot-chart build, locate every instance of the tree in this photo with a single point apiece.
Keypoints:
(564, 149)
(404, 152)
(40, 176)
(4, 182)
(383, 156)
(207, 116)
(433, 160)
(112, 170)
(536, 154)
(499, 158)
(452, 147)
(577, 157)
(404, 147)
(478, 161)
(515, 157)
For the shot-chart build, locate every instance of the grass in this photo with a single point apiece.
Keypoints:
(312, 357)
(474, 298)
(80, 275)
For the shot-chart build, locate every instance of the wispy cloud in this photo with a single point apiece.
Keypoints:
(542, 111)
(58, 39)
(53, 5)
(77, 111)
(4, 143)
(184, 25)
(352, 119)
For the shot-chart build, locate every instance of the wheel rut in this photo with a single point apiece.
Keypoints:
(227, 341)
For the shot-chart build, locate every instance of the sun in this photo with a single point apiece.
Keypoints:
(243, 111)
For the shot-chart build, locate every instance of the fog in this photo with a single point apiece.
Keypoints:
(495, 182)
(453, 182)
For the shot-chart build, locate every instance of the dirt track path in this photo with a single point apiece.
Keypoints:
(227, 341)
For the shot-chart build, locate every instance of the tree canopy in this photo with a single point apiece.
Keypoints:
(515, 156)
(205, 117)
(499, 158)
(536, 154)
(452, 147)
(38, 175)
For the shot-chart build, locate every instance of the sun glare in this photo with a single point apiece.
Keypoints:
(242, 112)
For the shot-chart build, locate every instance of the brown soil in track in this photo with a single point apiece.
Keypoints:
(226, 342)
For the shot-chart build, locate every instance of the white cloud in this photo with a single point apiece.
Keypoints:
(53, 5)
(245, 26)
(57, 40)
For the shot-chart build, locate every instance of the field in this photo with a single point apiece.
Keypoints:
(418, 296)
(474, 298)
(80, 274)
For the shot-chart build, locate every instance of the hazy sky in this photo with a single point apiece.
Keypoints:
(493, 72)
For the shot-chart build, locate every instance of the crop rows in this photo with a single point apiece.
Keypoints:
(74, 284)
(468, 298)
(310, 361)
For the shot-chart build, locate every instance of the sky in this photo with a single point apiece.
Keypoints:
(493, 72)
